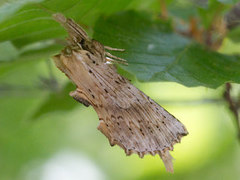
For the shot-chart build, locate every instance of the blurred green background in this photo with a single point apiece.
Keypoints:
(46, 135)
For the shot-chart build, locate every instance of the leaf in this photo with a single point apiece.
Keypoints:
(25, 23)
(38, 50)
(201, 3)
(155, 53)
(233, 22)
(228, 1)
(183, 9)
(8, 51)
(8, 9)
(208, 16)
(56, 102)
(234, 34)
(34, 22)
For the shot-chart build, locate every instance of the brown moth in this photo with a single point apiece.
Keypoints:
(127, 117)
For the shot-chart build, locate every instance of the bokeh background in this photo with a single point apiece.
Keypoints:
(46, 135)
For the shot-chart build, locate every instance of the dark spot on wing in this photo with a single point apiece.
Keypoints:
(120, 117)
(88, 55)
(121, 79)
(105, 90)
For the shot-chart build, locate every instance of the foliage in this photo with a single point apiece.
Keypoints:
(154, 50)
(182, 41)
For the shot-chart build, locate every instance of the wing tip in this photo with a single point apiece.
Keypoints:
(167, 160)
(163, 153)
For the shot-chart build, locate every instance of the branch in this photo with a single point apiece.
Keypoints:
(233, 105)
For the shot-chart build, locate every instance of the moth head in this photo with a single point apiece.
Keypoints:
(98, 49)
(67, 51)
(76, 33)
(98, 46)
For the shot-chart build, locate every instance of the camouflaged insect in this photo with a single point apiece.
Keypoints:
(127, 117)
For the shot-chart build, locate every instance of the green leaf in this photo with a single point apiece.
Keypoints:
(38, 50)
(57, 102)
(34, 22)
(234, 34)
(155, 53)
(8, 8)
(201, 3)
(228, 1)
(183, 9)
(208, 15)
(25, 23)
(8, 51)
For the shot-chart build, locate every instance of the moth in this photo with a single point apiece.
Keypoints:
(127, 117)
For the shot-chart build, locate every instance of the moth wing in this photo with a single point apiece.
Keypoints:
(134, 121)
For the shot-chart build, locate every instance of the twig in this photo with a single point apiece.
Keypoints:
(164, 11)
(233, 105)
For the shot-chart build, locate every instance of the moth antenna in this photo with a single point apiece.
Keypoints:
(74, 30)
(59, 18)
(113, 49)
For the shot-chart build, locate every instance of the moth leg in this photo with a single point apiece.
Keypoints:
(110, 61)
(80, 97)
(114, 57)
(113, 49)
